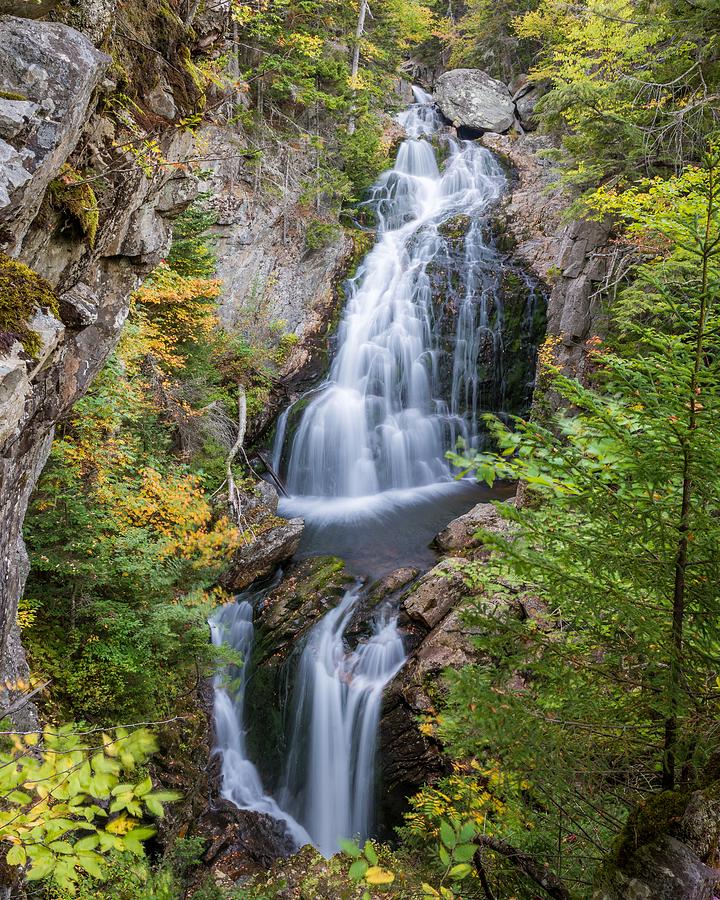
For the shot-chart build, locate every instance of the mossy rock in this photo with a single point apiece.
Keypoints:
(655, 817)
(76, 200)
(11, 95)
(22, 293)
(154, 25)
(455, 228)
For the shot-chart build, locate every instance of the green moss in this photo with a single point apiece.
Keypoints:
(654, 817)
(22, 292)
(319, 234)
(70, 193)
(455, 228)
(11, 95)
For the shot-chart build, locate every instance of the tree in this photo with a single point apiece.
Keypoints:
(600, 612)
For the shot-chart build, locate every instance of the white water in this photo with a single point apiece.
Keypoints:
(370, 440)
(329, 781)
(232, 625)
(380, 423)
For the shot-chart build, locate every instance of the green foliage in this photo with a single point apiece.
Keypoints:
(125, 546)
(74, 196)
(629, 85)
(319, 234)
(22, 293)
(604, 689)
(192, 253)
(64, 805)
(363, 154)
(484, 36)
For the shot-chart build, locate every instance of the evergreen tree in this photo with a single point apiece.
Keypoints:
(609, 690)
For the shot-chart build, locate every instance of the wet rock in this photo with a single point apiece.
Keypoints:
(470, 98)
(391, 584)
(432, 598)
(461, 533)
(263, 554)
(571, 258)
(438, 639)
(310, 588)
(241, 842)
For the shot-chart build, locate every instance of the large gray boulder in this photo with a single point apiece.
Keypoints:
(472, 99)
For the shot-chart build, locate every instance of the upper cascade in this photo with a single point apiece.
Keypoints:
(386, 416)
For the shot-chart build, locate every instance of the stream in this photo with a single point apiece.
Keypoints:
(420, 356)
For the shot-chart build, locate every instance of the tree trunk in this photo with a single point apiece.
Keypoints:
(355, 65)
(707, 246)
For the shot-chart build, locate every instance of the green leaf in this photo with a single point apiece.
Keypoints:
(350, 847)
(358, 870)
(447, 834)
(92, 863)
(429, 890)
(370, 854)
(61, 847)
(16, 855)
(87, 843)
(143, 787)
(154, 806)
(41, 869)
(444, 855)
(457, 873)
(467, 832)
(464, 852)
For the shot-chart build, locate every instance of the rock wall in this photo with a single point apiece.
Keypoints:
(62, 112)
(575, 259)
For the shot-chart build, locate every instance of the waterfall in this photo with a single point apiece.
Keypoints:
(384, 420)
(232, 625)
(329, 779)
(419, 357)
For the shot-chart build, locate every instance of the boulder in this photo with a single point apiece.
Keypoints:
(241, 842)
(665, 869)
(525, 99)
(263, 554)
(461, 533)
(470, 98)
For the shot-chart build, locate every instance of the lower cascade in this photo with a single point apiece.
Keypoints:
(330, 775)
(420, 356)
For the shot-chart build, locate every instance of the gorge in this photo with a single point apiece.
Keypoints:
(359, 450)
(420, 357)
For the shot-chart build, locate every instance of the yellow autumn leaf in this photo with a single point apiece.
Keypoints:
(378, 875)
(121, 825)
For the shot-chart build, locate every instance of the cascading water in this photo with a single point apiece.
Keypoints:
(383, 422)
(232, 625)
(420, 353)
(329, 780)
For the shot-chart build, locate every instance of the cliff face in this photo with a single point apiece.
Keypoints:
(53, 79)
(94, 166)
(575, 259)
